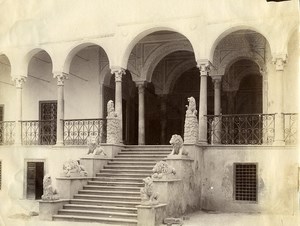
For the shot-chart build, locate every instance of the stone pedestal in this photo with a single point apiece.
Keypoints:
(49, 208)
(93, 164)
(67, 187)
(170, 192)
(191, 129)
(151, 215)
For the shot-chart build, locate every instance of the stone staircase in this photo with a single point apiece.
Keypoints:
(112, 196)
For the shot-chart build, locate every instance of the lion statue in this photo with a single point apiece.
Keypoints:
(111, 109)
(163, 170)
(191, 108)
(94, 148)
(148, 196)
(177, 143)
(72, 168)
(49, 193)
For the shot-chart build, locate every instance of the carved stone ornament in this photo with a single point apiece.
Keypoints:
(148, 196)
(191, 123)
(177, 143)
(49, 193)
(163, 171)
(204, 67)
(19, 81)
(94, 147)
(113, 124)
(118, 72)
(280, 61)
(72, 168)
(61, 77)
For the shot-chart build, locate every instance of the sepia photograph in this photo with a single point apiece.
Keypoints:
(149, 113)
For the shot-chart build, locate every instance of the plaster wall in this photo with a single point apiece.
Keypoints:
(277, 179)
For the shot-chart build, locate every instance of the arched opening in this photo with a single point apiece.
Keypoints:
(160, 59)
(39, 95)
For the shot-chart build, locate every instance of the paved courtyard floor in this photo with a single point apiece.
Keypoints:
(196, 219)
(22, 214)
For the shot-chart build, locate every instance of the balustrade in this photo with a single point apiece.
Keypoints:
(7, 132)
(290, 128)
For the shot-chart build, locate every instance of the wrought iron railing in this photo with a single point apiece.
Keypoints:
(76, 131)
(39, 132)
(252, 129)
(7, 132)
(290, 128)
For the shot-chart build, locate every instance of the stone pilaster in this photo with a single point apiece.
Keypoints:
(216, 138)
(61, 77)
(279, 62)
(204, 67)
(19, 81)
(119, 72)
(141, 92)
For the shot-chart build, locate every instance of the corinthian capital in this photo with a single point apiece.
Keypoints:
(19, 81)
(204, 67)
(118, 72)
(280, 60)
(61, 77)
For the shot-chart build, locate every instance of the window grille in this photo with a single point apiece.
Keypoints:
(245, 181)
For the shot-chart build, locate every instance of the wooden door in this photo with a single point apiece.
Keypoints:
(35, 175)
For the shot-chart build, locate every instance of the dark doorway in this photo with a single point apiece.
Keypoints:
(1, 124)
(35, 175)
(48, 117)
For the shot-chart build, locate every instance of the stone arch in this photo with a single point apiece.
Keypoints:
(235, 60)
(8, 63)
(74, 50)
(141, 34)
(29, 56)
(162, 52)
(184, 66)
(232, 29)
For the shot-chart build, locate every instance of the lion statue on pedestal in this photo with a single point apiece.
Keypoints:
(177, 143)
(49, 193)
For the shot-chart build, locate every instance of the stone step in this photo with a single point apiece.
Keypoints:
(140, 156)
(101, 208)
(110, 193)
(154, 147)
(108, 197)
(131, 204)
(136, 163)
(126, 171)
(97, 213)
(119, 221)
(137, 160)
(111, 188)
(117, 183)
(132, 167)
(144, 152)
(124, 179)
(125, 174)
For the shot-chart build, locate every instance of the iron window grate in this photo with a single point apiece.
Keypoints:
(245, 181)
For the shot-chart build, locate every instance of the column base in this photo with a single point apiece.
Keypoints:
(202, 142)
(59, 143)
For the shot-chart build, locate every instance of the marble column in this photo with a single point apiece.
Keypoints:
(19, 86)
(141, 91)
(217, 109)
(163, 122)
(204, 67)
(101, 106)
(279, 62)
(60, 76)
(119, 72)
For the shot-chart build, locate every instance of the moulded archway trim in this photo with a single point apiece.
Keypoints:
(181, 68)
(232, 29)
(75, 49)
(146, 31)
(160, 53)
(31, 54)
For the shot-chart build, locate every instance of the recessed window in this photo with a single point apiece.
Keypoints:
(245, 181)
